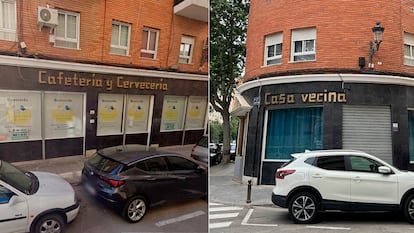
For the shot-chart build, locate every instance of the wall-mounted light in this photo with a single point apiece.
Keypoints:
(374, 45)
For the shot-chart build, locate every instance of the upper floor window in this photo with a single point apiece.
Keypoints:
(186, 49)
(8, 20)
(149, 43)
(408, 49)
(273, 49)
(304, 44)
(67, 31)
(120, 38)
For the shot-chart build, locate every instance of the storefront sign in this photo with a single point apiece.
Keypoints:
(91, 80)
(313, 97)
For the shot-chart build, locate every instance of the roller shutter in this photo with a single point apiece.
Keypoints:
(368, 128)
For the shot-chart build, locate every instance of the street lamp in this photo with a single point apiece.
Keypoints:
(374, 45)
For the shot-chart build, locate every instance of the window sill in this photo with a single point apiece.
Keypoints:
(291, 62)
(265, 66)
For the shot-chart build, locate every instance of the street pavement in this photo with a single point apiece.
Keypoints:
(224, 187)
(227, 189)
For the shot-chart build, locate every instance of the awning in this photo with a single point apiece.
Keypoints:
(239, 106)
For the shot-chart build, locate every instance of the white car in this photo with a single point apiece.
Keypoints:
(34, 201)
(342, 180)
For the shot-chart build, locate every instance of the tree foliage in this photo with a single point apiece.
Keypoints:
(228, 26)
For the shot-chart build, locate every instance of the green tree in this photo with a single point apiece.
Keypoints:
(216, 132)
(228, 26)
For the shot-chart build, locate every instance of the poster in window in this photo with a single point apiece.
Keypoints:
(138, 107)
(196, 112)
(110, 109)
(173, 113)
(20, 116)
(63, 115)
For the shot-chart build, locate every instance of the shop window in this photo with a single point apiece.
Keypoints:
(293, 130)
(20, 114)
(149, 43)
(181, 112)
(111, 118)
(173, 113)
(411, 133)
(186, 49)
(273, 49)
(63, 115)
(196, 112)
(8, 20)
(304, 45)
(67, 32)
(409, 49)
(120, 38)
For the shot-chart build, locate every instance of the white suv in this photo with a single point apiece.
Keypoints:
(34, 201)
(343, 180)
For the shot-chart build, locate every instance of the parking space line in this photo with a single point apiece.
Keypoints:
(180, 218)
(219, 225)
(247, 217)
(214, 209)
(330, 228)
(228, 215)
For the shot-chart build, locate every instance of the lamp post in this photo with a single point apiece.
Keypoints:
(374, 45)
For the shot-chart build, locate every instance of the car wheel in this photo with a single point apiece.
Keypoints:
(50, 223)
(135, 209)
(408, 209)
(303, 208)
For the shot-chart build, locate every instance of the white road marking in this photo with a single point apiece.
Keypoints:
(230, 208)
(247, 217)
(180, 218)
(214, 204)
(330, 228)
(218, 216)
(219, 225)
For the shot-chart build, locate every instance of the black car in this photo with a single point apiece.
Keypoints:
(132, 179)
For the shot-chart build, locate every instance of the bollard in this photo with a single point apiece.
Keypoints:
(249, 191)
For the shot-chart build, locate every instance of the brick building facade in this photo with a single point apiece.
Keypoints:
(82, 75)
(310, 83)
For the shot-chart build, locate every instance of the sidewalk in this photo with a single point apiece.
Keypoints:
(223, 188)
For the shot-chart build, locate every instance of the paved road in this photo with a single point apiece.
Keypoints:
(261, 219)
(95, 217)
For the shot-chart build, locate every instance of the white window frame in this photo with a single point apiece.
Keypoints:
(8, 33)
(409, 41)
(147, 49)
(273, 40)
(118, 46)
(303, 35)
(65, 38)
(186, 40)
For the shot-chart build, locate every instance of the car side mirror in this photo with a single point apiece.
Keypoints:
(384, 170)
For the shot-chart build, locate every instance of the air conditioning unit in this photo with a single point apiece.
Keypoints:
(47, 17)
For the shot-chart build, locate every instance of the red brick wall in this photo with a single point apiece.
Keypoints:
(95, 32)
(343, 33)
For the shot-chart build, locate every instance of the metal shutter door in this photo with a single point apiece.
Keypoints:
(368, 128)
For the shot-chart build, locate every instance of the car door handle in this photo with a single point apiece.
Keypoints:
(151, 178)
(318, 176)
(181, 178)
(357, 179)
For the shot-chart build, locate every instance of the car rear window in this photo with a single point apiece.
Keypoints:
(105, 164)
(331, 162)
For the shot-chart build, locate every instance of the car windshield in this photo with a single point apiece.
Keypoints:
(104, 164)
(24, 181)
